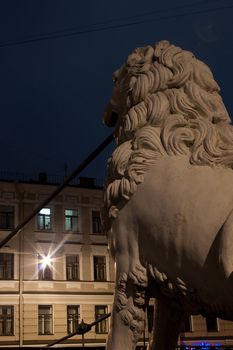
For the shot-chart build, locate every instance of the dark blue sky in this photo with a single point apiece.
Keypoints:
(53, 91)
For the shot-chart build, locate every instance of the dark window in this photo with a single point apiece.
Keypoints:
(44, 270)
(6, 320)
(72, 318)
(150, 317)
(100, 311)
(6, 266)
(45, 319)
(100, 268)
(71, 220)
(211, 324)
(96, 222)
(6, 217)
(187, 324)
(72, 267)
(44, 219)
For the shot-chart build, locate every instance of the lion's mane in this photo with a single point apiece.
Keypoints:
(171, 106)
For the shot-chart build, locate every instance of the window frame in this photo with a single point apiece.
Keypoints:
(190, 328)
(41, 271)
(66, 267)
(44, 229)
(74, 327)
(98, 325)
(12, 266)
(51, 319)
(8, 219)
(12, 320)
(95, 271)
(208, 329)
(76, 230)
(93, 231)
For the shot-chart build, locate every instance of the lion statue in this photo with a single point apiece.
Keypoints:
(168, 206)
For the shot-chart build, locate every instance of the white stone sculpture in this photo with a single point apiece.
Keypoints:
(169, 195)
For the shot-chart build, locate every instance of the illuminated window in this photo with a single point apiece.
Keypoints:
(211, 324)
(72, 318)
(6, 320)
(45, 319)
(71, 220)
(72, 267)
(6, 217)
(99, 268)
(44, 269)
(96, 222)
(44, 219)
(100, 311)
(6, 266)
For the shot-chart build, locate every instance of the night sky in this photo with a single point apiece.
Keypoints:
(56, 64)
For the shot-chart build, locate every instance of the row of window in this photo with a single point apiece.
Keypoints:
(45, 319)
(45, 268)
(44, 219)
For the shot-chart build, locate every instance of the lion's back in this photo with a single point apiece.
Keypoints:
(180, 208)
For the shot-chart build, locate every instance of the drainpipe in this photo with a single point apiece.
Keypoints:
(21, 299)
(20, 269)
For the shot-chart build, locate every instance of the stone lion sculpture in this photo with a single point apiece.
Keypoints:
(168, 196)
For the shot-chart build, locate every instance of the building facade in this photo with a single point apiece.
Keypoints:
(57, 271)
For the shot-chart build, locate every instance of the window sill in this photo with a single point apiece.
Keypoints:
(7, 279)
(45, 280)
(7, 335)
(73, 232)
(101, 281)
(73, 280)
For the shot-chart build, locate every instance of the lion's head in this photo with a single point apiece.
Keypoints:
(164, 102)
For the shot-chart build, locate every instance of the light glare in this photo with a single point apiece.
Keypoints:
(46, 261)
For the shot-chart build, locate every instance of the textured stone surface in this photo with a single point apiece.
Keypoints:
(169, 194)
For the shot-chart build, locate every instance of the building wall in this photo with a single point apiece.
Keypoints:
(26, 292)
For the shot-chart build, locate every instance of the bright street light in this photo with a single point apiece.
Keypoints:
(46, 261)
